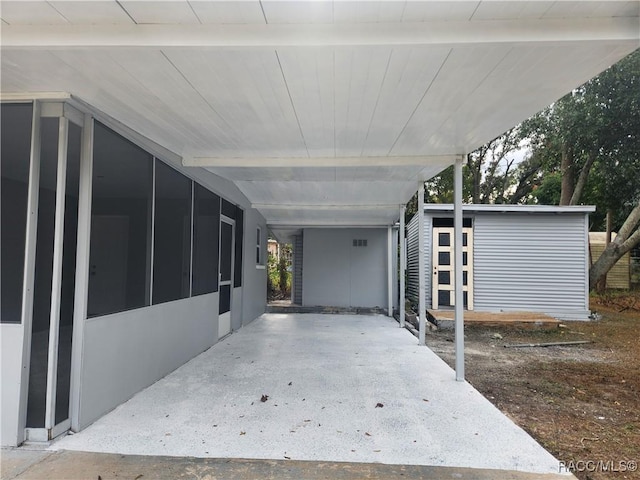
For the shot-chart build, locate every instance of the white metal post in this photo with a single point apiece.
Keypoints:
(390, 271)
(82, 269)
(29, 266)
(459, 296)
(422, 309)
(403, 263)
(56, 280)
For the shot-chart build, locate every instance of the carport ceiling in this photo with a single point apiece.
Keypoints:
(321, 112)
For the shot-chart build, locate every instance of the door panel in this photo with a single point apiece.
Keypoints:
(443, 285)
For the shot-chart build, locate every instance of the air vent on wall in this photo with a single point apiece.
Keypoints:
(360, 242)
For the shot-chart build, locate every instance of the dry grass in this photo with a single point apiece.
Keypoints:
(582, 403)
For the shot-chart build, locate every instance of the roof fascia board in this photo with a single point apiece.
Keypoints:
(31, 96)
(450, 33)
(288, 225)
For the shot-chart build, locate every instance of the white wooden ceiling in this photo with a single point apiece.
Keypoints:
(322, 112)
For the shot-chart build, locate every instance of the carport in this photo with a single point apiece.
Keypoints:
(304, 115)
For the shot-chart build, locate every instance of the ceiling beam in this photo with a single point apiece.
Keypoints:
(451, 33)
(317, 206)
(297, 162)
(349, 223)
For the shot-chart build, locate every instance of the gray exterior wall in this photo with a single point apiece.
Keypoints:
(254, 277)
(532, 263)
(126, 352)
(522, 261)
(338, 274)
(11, 344)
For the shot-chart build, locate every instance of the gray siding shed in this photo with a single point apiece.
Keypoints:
(412, 258)
(525, 258)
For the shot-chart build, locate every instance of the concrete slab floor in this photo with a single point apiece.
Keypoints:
(337, 388)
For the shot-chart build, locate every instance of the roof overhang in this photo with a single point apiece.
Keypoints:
(323, 113)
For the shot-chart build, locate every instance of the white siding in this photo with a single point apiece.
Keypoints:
(531, 262)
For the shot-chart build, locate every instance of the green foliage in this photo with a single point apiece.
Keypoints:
(278, 275)
(548, 193)
(590, 139)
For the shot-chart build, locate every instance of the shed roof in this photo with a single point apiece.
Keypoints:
(502, 208)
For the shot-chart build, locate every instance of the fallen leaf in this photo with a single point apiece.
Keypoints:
(139, 476)
(425, 400)
(264, 398)
(376, 451)
(379, 405)
(288, 458)
(243, 433)
(290, 383)
(367, 434)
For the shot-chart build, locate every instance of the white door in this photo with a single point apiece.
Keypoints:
(226, 277)
(444, 266)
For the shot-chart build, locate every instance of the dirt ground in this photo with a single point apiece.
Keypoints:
(581, 402)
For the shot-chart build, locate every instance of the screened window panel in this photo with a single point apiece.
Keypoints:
(15, 136)
(120, 250)
(172, 236)
(206, 231)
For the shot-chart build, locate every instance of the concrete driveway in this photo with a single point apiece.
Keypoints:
(317, 387)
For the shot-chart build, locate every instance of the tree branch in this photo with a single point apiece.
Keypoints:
(582, 178)
(626, 239)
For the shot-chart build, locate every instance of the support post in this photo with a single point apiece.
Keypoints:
(422, 309)
(28, 280)
(403, 264)
(459, 296)
(82, 270)
(56, 281)
(389, 271)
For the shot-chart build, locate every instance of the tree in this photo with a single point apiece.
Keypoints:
(590, 145)
(627, 238)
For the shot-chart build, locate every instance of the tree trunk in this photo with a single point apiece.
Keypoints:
(602, 283)
(568, 175)
(582, 179)
(627, 238)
